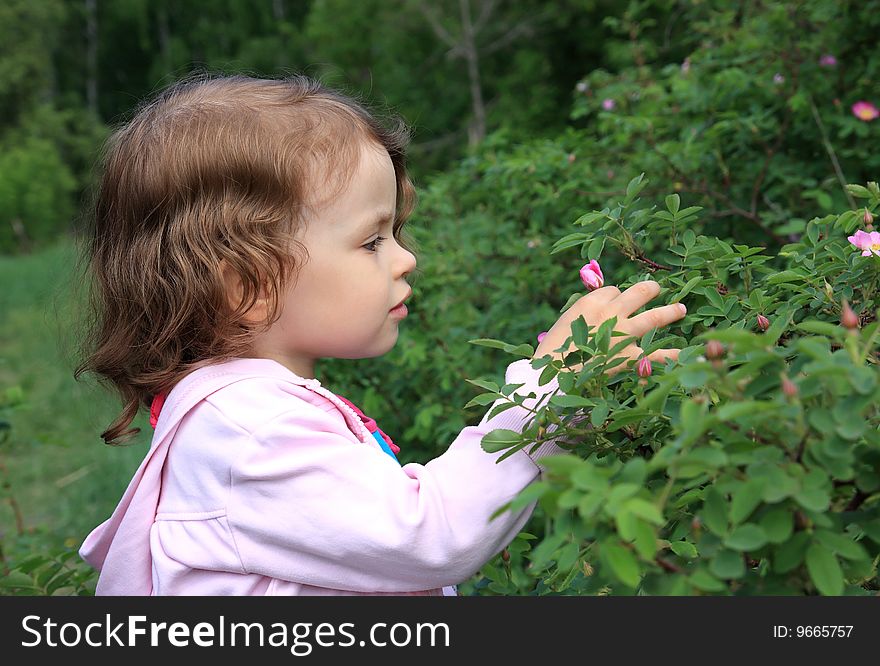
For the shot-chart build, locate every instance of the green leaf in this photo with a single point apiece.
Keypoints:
(714, 513)
(672, 203)
(580, 331)
(499, 439)
(745, 499)
(590, 504)
(824, 570)
(599, 414)
(634, 187)
(529, 494)
(785, 276)
(694, 377)
(517, 350)
(841, 545)
(746, 538)
(727, 564)
(489, 386)
(482, 399)
(814, 499)
(596, 247)
(572, 401)
(703, 580)
(778, 524)
(622, 563)
(833, 331)
(734, 410)
(684, 549)
(693, 282)
(791, 553)
(688, 238)
(628, 416)
(858, 191)
(644, 509)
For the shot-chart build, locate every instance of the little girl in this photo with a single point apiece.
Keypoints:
(242, 229)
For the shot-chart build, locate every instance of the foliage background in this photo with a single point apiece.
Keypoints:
(526, 116)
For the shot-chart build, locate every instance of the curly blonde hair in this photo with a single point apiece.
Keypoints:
(215, 171)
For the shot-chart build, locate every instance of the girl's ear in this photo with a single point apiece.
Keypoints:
(259, 311)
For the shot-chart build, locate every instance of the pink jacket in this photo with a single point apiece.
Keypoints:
(261, 482)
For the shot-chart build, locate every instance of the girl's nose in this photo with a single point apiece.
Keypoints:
(409, 260)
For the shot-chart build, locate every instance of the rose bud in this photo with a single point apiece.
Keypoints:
(869, 219)
(571, 158)
(591, 275)
(788, 387)
(714, 349)
(541, 336)
(505, 555)
(848, 318)
(644, 367)
(763, 322)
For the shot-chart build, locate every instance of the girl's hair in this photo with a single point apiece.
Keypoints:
(213, 168)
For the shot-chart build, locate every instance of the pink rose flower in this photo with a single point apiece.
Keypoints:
(608, 104)
(865, 111)
(591, 275)
(828, 60)
(867, 242)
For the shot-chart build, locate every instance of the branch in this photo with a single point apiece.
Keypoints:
(438, 28)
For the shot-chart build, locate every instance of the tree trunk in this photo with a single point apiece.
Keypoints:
(92, 55)
(477, 128)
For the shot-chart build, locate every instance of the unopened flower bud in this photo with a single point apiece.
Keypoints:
(541, 336)
(696, 524)
(644, 367)
(571, 158)
(505, 555)
(587, 568)
(788, 387)
(829, 291)
(714, 349)
(848, 318)
(591, 275)
(869, 219)
(763, 322)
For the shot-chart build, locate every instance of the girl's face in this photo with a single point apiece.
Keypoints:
(339, 307)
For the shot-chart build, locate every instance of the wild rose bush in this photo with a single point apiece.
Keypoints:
(749, 466)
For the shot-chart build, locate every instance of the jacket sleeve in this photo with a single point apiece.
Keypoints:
(309, 504)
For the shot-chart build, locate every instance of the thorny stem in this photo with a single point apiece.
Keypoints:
(830, 150)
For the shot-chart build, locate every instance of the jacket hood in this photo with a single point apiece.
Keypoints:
(120, 546)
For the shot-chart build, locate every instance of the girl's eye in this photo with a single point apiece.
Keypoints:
(374, 243)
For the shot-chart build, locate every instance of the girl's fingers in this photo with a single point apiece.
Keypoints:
(654, 318)
(603, 295)
(635, 297)
(662, 355)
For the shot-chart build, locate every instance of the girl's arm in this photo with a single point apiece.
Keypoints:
(310, 505)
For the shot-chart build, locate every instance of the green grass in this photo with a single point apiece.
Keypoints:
(61, 475)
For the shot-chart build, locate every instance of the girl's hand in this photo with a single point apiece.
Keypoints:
(606, 302)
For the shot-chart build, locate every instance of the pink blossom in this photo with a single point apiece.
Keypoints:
(541, 336)
(645, 367)
(828, 60)
(868, 242)
(865, 111)
(591, 275)
(608, 104)
(778, 79)
(686, 66)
